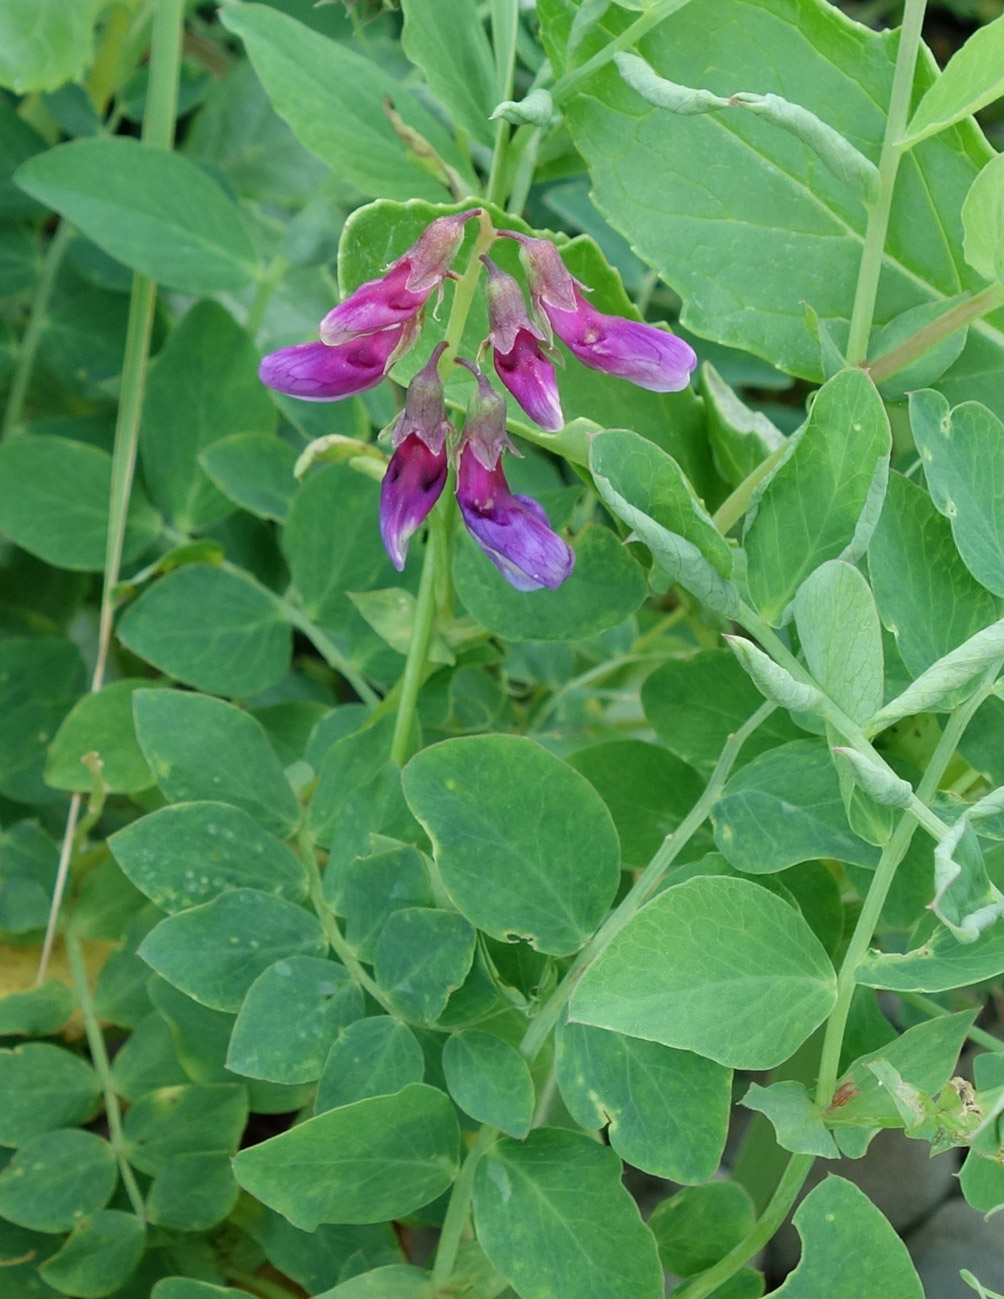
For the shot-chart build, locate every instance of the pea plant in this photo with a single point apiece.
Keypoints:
(503, 548)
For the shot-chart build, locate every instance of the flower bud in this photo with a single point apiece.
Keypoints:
(411, 487)
(424, 414)
(317, 372)
(520, 362)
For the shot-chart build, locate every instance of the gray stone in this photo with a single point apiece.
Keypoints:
(955, 1237)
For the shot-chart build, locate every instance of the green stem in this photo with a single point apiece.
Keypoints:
(564, 86)
(734, 506)
(267, 285)
(650, 879)
(455, 1221)
(587, 678)
(259, 1285)
(870, 268)
(336, 939)
(158, 131)
(930, 1007)
(418, 648)
(505, 26)
(943, 326)
(329, 651)
(102, 1066)
(774, 1215)
(28, 350)
(523, 177)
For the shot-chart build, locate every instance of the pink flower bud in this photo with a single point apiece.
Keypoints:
(484, 422)
(401, 292)
(424, 413)
(411, 487)
(520, 361)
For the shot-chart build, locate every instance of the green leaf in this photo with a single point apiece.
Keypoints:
(254, 470)
(981, 1179)
(102, 723)
(794, 1116)
(421, 957)
(490, 1081)
(461, 72)
(983, 221)
(964, 898)
(202, 748)
(44, 43)
(546, 864)
(394, 1282)
(19, 261)
(700, 1224)
(37, 1013)
(178, 1287)
(183, 1120)
(841, 637)
(147, 207)
(649, 491)
(925, 594)
(784, 807)
(971, 80)
(146, 1060)
(191, 853)
(193, 1192)
(376, 1159)
(369, 889)
(291, 1015)
(925, 1056)
(821, 502)
(767, 204)
(214, 952)
(774, 682)
(606, 586)
(742, 437)
(667, 1111)
(54, 502)
(43, 1087)
(695, 704)
(213, 628)
(647, 790)
(40, 677)
(848, 1249)
(675, 971)
(553, 1217)
(372, 1057)
(940, 964)
(56, 1179)
(99, 1256)
(963, 455)
(203, 386)
(332, 96)
(934, 687)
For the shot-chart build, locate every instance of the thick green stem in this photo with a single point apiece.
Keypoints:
(37, 317)
(505, 26)
(564, 86)
(102, 1066)
(418, 648)
(943, 326)
(873, 250)
(455, 1221)
(652, 876)
(734, 506)
(774, 1215)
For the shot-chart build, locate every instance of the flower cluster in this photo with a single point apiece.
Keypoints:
(364, 335)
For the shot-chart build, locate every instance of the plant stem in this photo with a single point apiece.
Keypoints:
(329, 651)
(564, 86)
(650, 879)
(158, 131)
(523, 177)
(774, 1215)
(455, 1221)
(873, 250)
(336, 939)
(28, 350)
(102, 1066)
(505, 26)
(988, 299)
(418, 647)
(734, 506)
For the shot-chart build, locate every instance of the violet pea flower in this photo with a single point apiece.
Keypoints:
(411, 487)
(520, 362)
(513, 531)
(402, 291)
(317, 372)
(643, 354)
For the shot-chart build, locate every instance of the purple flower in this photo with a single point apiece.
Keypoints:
(513, 531)
(520, 362)
(317, 372)
(401, 292)
(411, 487)
(424, 413)
(643, 354)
